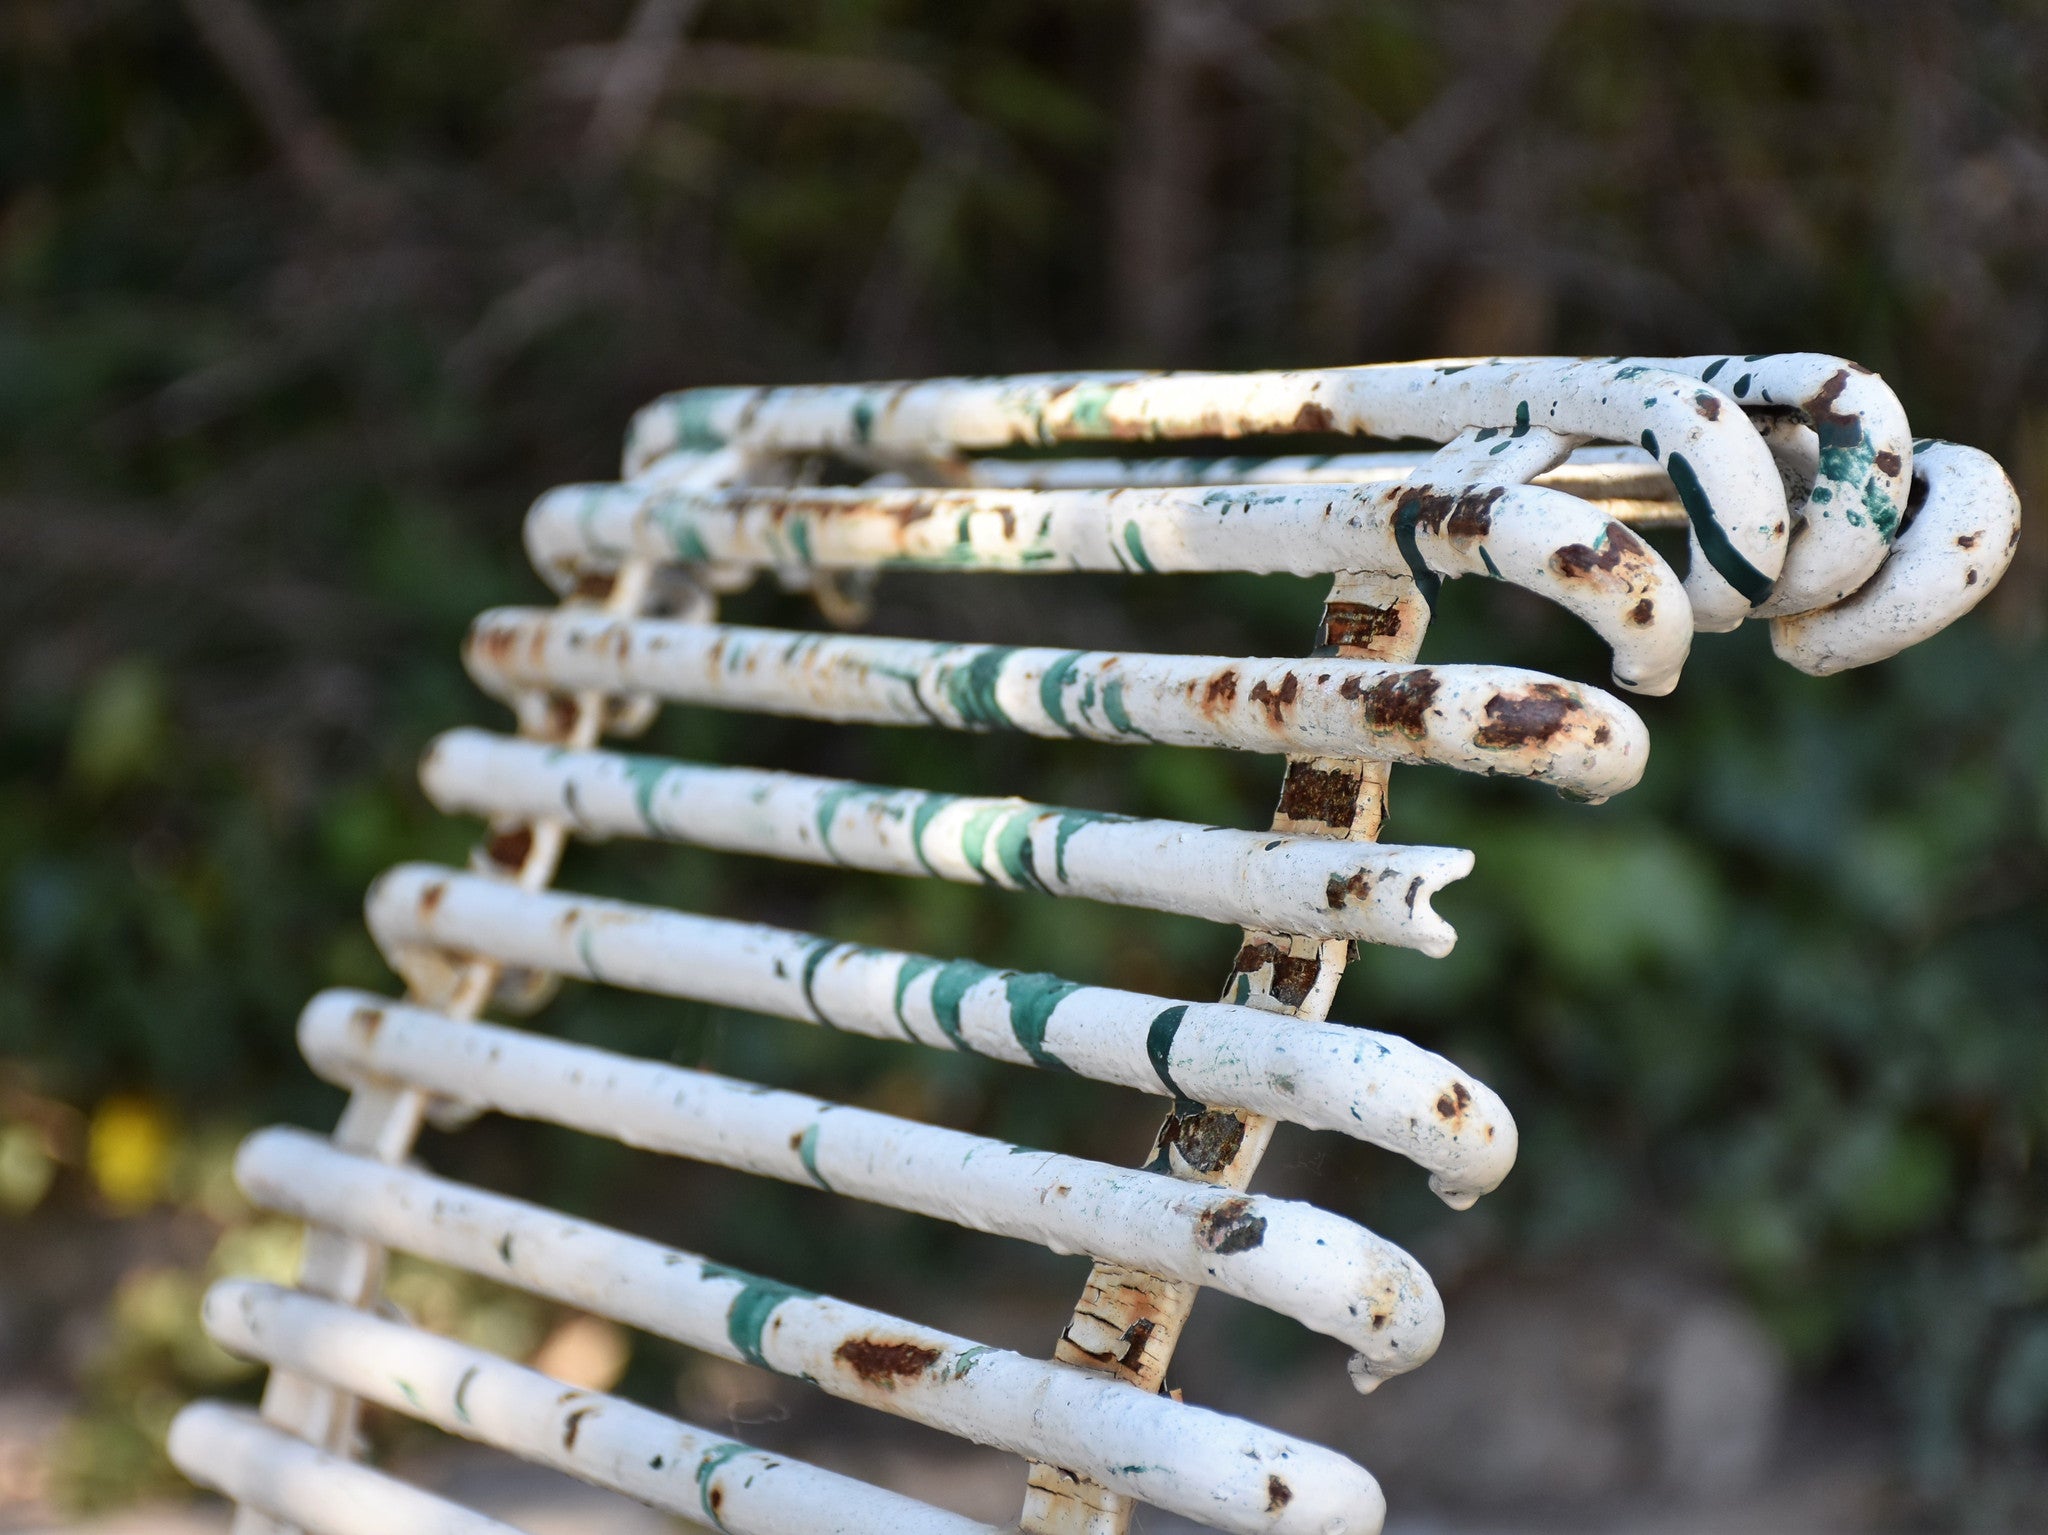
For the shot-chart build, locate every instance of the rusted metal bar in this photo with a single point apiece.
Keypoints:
(1327, 1273)
(1223, 1471)
(1544, 541)
(1368, 894)
(298, 1486)
(604, 1440)
(1496, 720)
(1373, 1087)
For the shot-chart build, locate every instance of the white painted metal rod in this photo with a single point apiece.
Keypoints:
(1957, 545)
(238, 1455)
(1318, 886)
(602, 1439)
(1720, 468)
(1544, 541)
(1480, 719)
(1328, 1273)
(1219, 1470)
(1607, 474)
(1373, 1087)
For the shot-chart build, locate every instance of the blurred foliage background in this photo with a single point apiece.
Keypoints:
(303, 304)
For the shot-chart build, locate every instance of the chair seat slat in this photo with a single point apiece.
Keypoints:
(1202, 1464)
(1494, 720)
(1368, 892)
(604, 1440)
(1326, 1272)
(1373, 1087)
(1555, 545)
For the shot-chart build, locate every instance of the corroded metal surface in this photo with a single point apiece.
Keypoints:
(1298, 884)
(1199, 1463)
(1542, 540)
(1806, 504)
(1496, 720)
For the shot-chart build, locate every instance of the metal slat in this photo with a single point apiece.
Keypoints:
(1327, 1273)
(1221, 1471)
(1365, 892)
(601, 1439)
(1481, 719)
(1544, 541)
(267, 1470)
(1373, 1087)
(1699, 434)
(1624, 475)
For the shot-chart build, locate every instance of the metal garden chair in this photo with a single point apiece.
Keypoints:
(1808, 504)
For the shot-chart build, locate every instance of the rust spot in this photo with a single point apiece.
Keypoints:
(1228, 1226)
(1708, 405)
(1574, 562)
(1293, 978)
(1451, 1106)
(431, 898)
(1278, 1494)
(1323, 796)
(1357, 624)
(561, 715)
(1356, 888)
(1399, 702)
(368, 1019)
(1642, 612)
(508, 846)
(594, 585)
(1136, 1336)
(1207, 1139)
(1221, 692)
(1528, 719)
(1314, 418)
(573, 1425)
(716, 1499)
(880, 1364)
(1472, 515)
(796, 1142)
(1277, 701)
(1966, 541)
(1820, 405)
(1887, 462)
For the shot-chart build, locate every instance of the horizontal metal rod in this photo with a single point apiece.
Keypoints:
(1372, 1087)
(1316, 886)
(604, 1440)
(1699, 434)
(1952, 553)
(1480, 719)
(1220, 1470)
(1328, 1273)
(1544, 541)
(1626, 476)
(238, 1455)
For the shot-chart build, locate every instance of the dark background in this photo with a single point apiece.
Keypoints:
(304, 303)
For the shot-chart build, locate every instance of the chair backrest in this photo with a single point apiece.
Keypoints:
(1807, 503)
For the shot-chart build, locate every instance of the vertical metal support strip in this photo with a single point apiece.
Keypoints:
(1128, 1323)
